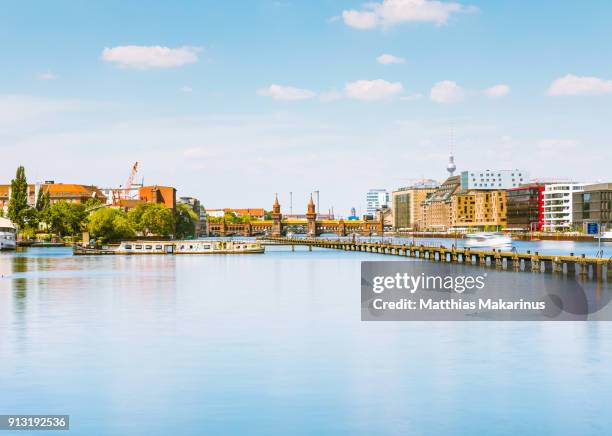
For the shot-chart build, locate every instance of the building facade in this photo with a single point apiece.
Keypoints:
(407, 209)
(164, 195)
(72, 192)
(593, 205)
(493, 179)
(5, 196)
(558, 209)
(479, 209)
(436, 208)
(526, 208)
(375, 199)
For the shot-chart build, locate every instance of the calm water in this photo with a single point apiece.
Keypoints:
(273, 344)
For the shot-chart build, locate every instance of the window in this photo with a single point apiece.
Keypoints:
(128, 247)
(148, 247)
(158, 247)
(138, 247)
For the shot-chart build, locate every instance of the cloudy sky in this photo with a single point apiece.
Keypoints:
(231, 102)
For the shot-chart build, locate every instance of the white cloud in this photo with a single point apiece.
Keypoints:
(388, 59)
(571, 85)
(280, 92)
(392, 12)
(47, 75)
(372, 89)
(142, 57)
(446, 91)
(186, 89)
(498, 91)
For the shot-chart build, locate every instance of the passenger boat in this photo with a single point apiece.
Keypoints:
(487, 239)
(177, 247)
(8, 231)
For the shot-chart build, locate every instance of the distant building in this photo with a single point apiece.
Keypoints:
(385, 214)
(526, 207)
(255, 212)
(165, 195)
(375, 199)
(72, 193)
(493, 179)
(558, 209)
(5, 196)
(406, 205)
(201, 224)
(593, 205)
(479, 209)
(353, 216)
(437, 213)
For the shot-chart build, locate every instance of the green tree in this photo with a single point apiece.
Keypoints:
(110, 225)
(185, 221)
(18, 203)
(66, 218)
(152, 219)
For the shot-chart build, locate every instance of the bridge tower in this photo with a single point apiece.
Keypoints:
(311, 217)
(276, 218)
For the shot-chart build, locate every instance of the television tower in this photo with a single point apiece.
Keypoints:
(451, 167)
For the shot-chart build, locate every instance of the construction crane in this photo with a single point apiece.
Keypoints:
(122, 193)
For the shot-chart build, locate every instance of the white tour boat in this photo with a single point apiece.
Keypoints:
(8, 231)
(189, 247)
(487, 239)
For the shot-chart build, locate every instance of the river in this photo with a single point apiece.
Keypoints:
(273, 344)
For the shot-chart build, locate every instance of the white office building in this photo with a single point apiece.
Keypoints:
(375, 199)
(493, 179)
(558, 205)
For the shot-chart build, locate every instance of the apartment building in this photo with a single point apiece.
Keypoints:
(558, 209)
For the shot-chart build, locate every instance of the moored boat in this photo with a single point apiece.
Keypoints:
(487, 239)
(178, 247)
(8, 230)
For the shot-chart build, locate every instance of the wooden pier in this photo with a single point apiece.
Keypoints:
(572, 265)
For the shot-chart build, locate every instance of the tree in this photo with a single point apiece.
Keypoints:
(185, 221)
(152, 219)
(43, 200)
(110, 225)
(18, 203)
(66, 218)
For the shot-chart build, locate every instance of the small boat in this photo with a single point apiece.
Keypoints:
(487, 239)
(8, 230)
(176, 247)
(606, 236)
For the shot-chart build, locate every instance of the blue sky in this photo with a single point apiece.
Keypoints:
(245, 99)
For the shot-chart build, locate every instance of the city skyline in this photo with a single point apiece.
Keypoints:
(330, 96)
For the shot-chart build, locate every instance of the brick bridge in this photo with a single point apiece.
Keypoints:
(278, 226)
